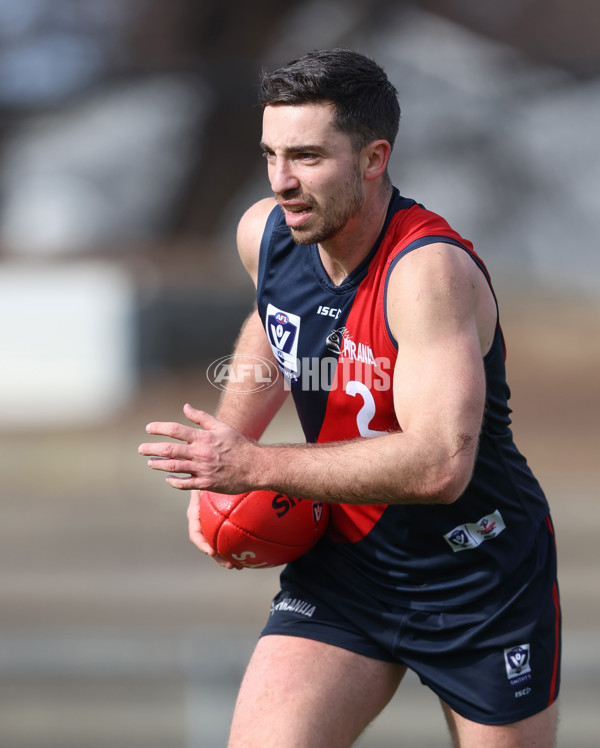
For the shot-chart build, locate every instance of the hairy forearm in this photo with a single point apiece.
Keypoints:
(244, 405)
(395, 468)
(409, 467)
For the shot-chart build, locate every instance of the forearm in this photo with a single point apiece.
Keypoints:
(410, 467)
(247, 404)
(395, 468)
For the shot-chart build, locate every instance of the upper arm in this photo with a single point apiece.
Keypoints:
(249, 234)
(441, 312)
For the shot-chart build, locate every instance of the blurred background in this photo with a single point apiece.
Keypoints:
(128, 151)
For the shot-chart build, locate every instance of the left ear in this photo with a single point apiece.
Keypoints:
(375, 157)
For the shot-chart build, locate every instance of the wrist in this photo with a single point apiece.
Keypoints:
(263, 467)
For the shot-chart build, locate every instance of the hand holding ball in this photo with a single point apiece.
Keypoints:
(260, 529)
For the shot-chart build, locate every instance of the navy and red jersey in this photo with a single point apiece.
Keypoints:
(337, 353)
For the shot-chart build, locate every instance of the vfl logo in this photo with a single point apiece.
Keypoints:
(517, 660)
(282, 330)
(473, 534)
(518, 669)
(459, 539)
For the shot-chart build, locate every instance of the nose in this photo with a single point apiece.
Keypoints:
(281, 176)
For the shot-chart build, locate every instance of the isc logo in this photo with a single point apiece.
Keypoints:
(523, 692)
(329, 311)
(282, 504)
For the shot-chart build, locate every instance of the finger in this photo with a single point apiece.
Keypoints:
(187, 483)
(193, 510)
(174, 430)
(200, 542)
(194, 525)
(200, 417)
(172, 450)
(195, 531)
(170, 466)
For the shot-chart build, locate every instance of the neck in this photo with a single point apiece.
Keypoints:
(345, 251)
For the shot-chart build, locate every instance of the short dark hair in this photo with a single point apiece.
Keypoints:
(365, 102)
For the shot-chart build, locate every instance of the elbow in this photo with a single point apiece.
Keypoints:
(451, 489)
(440, 474)
(449, 483)
(456, 470)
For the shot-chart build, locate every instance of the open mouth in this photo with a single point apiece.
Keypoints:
(296, 214)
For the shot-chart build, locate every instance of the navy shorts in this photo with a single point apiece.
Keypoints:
(493, 663)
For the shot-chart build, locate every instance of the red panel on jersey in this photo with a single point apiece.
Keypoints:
(361, 401)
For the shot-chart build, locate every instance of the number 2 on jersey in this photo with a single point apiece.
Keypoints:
(366, 414)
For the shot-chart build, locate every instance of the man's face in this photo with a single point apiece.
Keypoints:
(313, 169)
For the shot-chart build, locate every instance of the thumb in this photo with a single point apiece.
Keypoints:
(200, 417)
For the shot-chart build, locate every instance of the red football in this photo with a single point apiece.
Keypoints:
(261, 528)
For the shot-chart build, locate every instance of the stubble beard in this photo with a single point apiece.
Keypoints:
(332, 216)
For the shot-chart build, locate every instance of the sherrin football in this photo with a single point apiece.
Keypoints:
(260, 529)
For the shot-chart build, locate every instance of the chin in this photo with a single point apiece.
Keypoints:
(303, 237)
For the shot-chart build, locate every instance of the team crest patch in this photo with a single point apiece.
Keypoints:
(473, 534)
(336, 340)
(518, 668)
(283, 329)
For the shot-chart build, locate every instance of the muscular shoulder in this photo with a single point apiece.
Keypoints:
(249, 234)
(438, 288)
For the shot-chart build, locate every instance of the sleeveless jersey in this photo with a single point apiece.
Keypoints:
(337, 353)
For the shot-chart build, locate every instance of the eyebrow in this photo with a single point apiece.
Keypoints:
(295, 148)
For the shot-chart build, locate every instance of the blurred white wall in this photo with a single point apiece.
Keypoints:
(65, 344)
